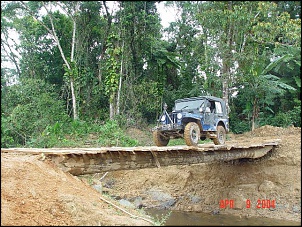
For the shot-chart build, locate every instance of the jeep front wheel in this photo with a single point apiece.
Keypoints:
(159, 139)
(192, 134)
(221, 136)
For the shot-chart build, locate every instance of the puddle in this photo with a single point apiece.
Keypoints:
(180, 218)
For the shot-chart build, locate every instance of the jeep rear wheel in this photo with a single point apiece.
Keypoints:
(221, 136)
(159, 139)
(192, 134)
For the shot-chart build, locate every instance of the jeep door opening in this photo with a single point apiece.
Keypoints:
(193, 119)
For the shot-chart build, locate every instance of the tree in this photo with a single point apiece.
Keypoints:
(112, 73)
(262, 87)
(9, 47)
(29, 107)
(138, 29)
(70, 8)
(186, 42)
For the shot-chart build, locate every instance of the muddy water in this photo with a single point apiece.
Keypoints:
(179, 218)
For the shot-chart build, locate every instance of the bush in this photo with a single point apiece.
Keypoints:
(239, 127)
(112, 135)
(6, 135)
(30, 108)
(281, 120)
(295, 116)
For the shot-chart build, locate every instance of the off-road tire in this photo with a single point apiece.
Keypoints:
(159, 139)
(221, 136)
(192, 134)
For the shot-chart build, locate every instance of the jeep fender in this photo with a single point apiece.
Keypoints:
(222, 124)
(186, 120)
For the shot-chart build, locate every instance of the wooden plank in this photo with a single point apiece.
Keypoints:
(78, 161)
(200, 147)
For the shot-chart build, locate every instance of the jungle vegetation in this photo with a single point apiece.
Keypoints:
(82, 68)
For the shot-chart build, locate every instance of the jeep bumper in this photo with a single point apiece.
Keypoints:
(167, 127)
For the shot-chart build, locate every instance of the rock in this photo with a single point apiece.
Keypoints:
(195, 199)
(296, 209)
(126, 203)
(167, 204)
(165, 200)
(98, 187)
(138, 202)
(266, 186)
(215, 212)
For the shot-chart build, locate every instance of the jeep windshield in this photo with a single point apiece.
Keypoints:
(188, 105)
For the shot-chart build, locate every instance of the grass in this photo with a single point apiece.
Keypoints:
(161, 220)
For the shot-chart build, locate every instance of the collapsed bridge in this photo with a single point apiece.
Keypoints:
(79, 161)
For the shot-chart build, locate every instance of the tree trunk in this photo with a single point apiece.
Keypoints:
(73, 96)
(10, 54)
(74, 102)
(120, 83)
(52, 32)
(225, 87)
(74, 107)
(253, 122)
(107, 32)
(111, 107)
(255, 114)
(226, 68)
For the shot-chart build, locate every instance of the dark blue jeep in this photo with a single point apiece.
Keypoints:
(193, 119)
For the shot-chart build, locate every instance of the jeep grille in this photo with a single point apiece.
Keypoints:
(171, 119)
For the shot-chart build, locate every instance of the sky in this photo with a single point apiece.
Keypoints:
(167, 14)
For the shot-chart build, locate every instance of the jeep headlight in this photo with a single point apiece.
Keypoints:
(163, 118)
(179, 116)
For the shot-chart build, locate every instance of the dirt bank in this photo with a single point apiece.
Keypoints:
(275, 178)
(35, 192)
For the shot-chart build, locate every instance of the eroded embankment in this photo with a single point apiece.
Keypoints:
(275, 177)
(36, 192)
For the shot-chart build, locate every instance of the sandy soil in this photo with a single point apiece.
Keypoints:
(35, 192)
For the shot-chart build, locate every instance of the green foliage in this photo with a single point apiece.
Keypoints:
(239, 127)
(281, 120)
(129, 119)
(295, 114)
(64, 134)
(79, 128)
(73, 71)
(148, 99)
(175, 142)
(241, 124)
(75, 133)
(30, 107)
(7, 137)
(53, 136)
(288, 118)
(261, 88)
(242, 37)
(112, 135)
